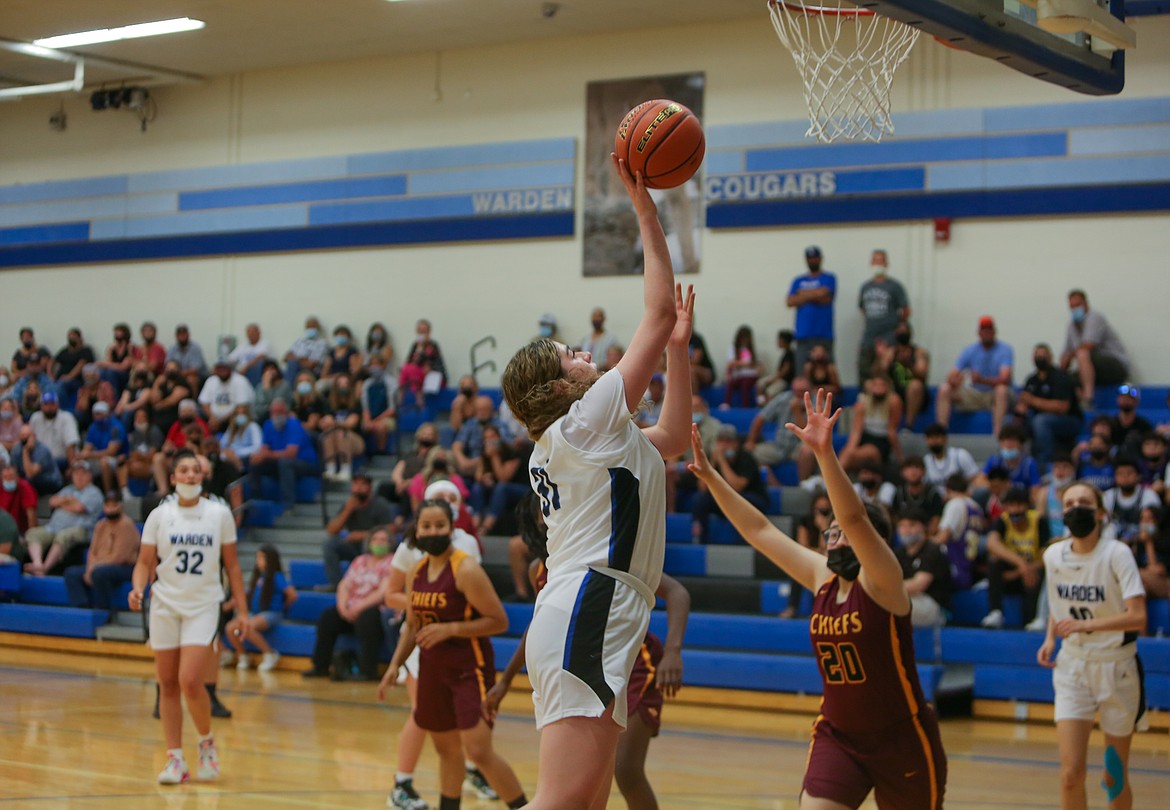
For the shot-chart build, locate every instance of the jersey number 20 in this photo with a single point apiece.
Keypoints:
(841, 663)
(190, 562)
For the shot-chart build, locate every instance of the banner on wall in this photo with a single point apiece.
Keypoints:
(610, 237)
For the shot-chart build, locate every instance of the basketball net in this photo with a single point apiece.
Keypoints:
(846, 57)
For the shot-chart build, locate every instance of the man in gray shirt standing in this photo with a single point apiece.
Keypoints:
(1096, 349)
(884, 305)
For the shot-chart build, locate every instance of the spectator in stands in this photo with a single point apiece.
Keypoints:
(56, 429)
(272, 387)
(819, 372)
(168, 391)
(1154, 462)
(546, 327)
(1095, 466)
(423, 360)
(598, 341)
(925, 570)
(468, 444)
(1125, 501)
(224, 390)
(1093, 347)
(250, 356)
(883, 304)
(999, 481)
(959, 529)
(143, 442)
(341, 441)
(10, 424)
(781, 379)
(463, 406)
(307, 354)
(104, 447)
(18, 499)
(1129, 427)
(34, 462)
(613, 356)
(28, 398)
(871, 485)
(1154, 537)
(678, 477)
(501, 479)
(784, 446)
(189, 355)
(409, 464)
(6, 391)
(1047, 500)
(651, 408)
(1023, 471)
(702, 369)
(110, 562)
(907, 365)
(916, 493)
(344, 357)
(360, 595)
(810, 533)
(1048, 405)
(136, 396)
(438, 467)
(740, 470)
(69, 362)
(287, 453)
(379, 414)
(9, 537)
(1015, 547)
(28, 351)
(447, 490)
(378, 345)
(176, 439)
(76, 509)
(812, 295)
(150, 353)
(35, 375)
(92, 391)
(269, 596)
(743, 369)
(981, 379)
(873, 435)
(118, 359)
(307, 404)
(242, 437)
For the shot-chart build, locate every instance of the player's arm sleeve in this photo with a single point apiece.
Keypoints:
(227, 526)
(150, 529)
(1126, 570)
(603, 408)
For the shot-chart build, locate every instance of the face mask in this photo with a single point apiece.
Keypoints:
(597, 325)
(1098, 455)
(113, 515)
(279, 422)
(1128, 407)
(911, 539)
(6, 415)
(311, 333)
(937, 449)
(426, 443)
(10, 486)
(878, 397)
(376, 373)
(189, 492)
(1080, 520)
(1042, 363)
(100, 420)
(186, 420)
(28, 344)
(697, 417)
(1018, 517)
(467, 392)
(843, 562)
(1078, 314)
(1129, 490)
(341, 340)
(1147, 528)
(1009, 453)
(377, 336)
(1061, 483)
(3, 380)
(434, 545)
(379, 550)
(729, 453)
(74, 342)
(241, 419)
(421, 335)
(546, 331)
(304, 388)
(869, 483)
(902, 338)
(362, 496)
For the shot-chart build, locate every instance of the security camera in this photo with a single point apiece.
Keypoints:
(549, 10)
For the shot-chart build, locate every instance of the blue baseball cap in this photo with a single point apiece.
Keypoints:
(811, 251)
(49, 396)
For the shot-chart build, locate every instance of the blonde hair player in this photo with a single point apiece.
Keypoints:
(184, 542)
(1097, 605)
(601, 482)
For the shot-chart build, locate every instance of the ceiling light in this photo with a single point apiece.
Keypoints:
(149, 29)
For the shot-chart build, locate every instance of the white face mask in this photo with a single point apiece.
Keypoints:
(189, 492)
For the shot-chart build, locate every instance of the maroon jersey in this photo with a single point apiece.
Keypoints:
(866, 658)
(441, 601)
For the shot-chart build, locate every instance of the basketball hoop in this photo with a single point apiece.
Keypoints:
(846, 57)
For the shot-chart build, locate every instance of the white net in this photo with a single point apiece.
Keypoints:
(846, 57)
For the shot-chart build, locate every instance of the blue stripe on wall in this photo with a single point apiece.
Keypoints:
(789, 185)
(480, 179)
(207, 222)
(43, 213)
(412, 208)
(346, 189)
(446, 157)
(451, 230)
(242, 174)
(63, 189)
(1052, 174)
(1118, 141)
(1107, 112)
(63, 232)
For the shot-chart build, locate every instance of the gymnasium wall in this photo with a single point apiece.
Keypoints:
(1015, 269)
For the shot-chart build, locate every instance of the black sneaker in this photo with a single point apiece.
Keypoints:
(315, 673)
(220, 710)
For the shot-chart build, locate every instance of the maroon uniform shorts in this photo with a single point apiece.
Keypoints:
(451, 698)
(643, 697)
(903, 764)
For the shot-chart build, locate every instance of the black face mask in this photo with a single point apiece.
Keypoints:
(1127, 491)
(28, 344)
(937, 449)
(113, 515)
(426, 443)
(1042, 363)
(434, 545)
(1080, 520)
(844, 563)
(878, 397)
(1127, 408)
(902, 338)
(467, 392)
(186, 420)
(870, 483)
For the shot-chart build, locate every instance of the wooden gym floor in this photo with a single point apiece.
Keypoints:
(76, 732)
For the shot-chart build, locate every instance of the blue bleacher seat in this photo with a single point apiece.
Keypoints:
(261, 513)
(410, 418)
(740, 418)
(138, 487)
(309, 604)
(968, 607)
(59, 621)
(1031, 683)
(308, 489)
(9, 578)
(519, 615)
(1158, 616)
(685, 560)
(43, 590)
(678, 527)
(970, 422)
(721, 533)
(304, 574)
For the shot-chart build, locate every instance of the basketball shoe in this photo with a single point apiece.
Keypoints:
(477, 783)
(405, 797)
(175, 772)
(208, 760)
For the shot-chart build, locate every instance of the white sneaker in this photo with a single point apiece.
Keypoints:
(227, 658)
(344, 472)
(208, 760)
(268, 662)
(243, 663)
(405, 797)
(175, 772)
(477, 783)
(993, 620)
(1037, 625)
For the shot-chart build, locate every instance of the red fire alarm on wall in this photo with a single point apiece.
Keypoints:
(942, 229)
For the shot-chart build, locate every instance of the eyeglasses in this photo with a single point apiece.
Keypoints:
(831, 536)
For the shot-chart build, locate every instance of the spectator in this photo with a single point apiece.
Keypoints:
(873, 436)
(242, 437)
(785, 446)
(344, 357)
(341, 442)
(781, 380)
(10, 424)
(999, 481)
(1155, 540)
(224, 390)
(423, 370)
(1154, 462)
(907, 365)
(1048, 406)
(105, 446)
(1048, 503)
(501, 479)
(811, 295)
(307, 354)
(377, 398)
(18, 499)
(176, 439)
(93, 390)
(743, 369)
(820, 372)
(426, 438)
(269, 595)
(463, 406)
(189, 355)
(35, 375)
(378, 345)
(287, 453)
(468, 444)
(56, 429)
(959, 530)
(143, 443)
(28, 398)
(925, 570)
(1125, 501)
(445, 490)
(1093, 346)
(598, 341)
(250, 357)
(1015, 546)
(169, 390)
(546, 327)
(810, 533)
(136, 396)
(872, 487)
(651, 408)
(357, 610)
(110, 562)
(69, 362)
(151, 353)
(307, 404)
(739, 469)
(28, 351)
(1128, 427)
(915, 493)
(9, 537)
(677, 475)
(1095, 466)
(272, 387)
(221, 474)
(6, 391)
(884, 305)
(438, 467)
(981, 379)
(118, 359)
(1023, 471)
(76, 509)
(34, 462)
(702, 369)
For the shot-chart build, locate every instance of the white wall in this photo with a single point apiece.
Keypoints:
(1015, 269)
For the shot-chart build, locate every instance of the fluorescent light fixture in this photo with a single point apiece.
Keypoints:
(149, 29)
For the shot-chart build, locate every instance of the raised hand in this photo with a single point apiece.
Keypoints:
(817, 434)
(684, 310)
(701, 466)
(635, 187)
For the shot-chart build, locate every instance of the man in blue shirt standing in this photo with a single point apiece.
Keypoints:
(981, 379)
(287, 453)
(811, 295)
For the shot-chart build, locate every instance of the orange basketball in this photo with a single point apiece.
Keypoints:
(663, 140)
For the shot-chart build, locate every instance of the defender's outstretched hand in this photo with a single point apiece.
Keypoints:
(817, 434)
(684, 311)
(701, 466)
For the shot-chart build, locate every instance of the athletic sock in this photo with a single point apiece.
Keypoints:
(400, 777)
(519, 801)
(448, 803)
(468, 765)
(210, 687)
(177, 753)
(204, 737)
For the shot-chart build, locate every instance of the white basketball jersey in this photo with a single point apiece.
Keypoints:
(189, 542)
(602, 490)
(1091, 586)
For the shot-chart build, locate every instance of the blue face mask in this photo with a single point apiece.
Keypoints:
(304, 388)
(546, 330)
(310, 333)
(1009, 453)
(697, 417)
(1078, 314)
(341, 340)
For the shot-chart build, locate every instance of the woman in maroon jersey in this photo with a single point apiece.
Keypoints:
(875, 731)
(451, 609)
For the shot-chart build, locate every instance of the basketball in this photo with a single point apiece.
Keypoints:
(663, 140)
